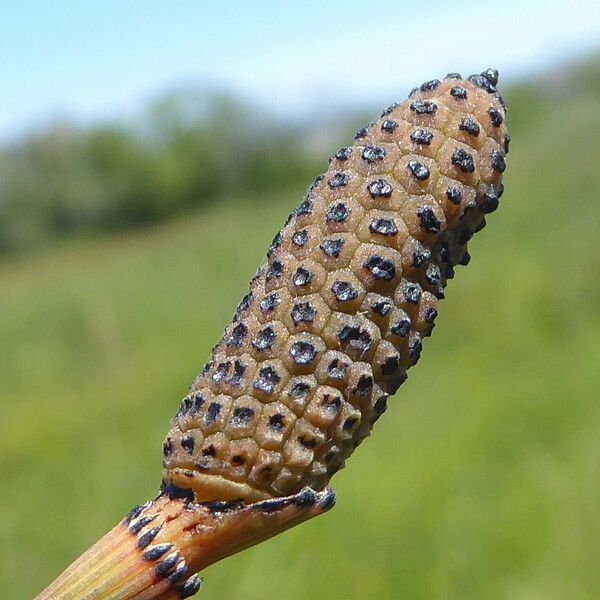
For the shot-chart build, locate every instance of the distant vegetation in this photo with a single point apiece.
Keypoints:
(188, 149)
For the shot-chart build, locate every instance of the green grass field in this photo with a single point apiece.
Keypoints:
(482, 479)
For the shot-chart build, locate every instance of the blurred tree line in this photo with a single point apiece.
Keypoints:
(187, 150)
(196, 147)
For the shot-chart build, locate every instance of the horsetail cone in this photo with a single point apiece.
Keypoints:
(329, 327)
(337, 314)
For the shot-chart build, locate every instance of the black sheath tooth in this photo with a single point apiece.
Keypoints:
(141, 523)
(306, 497)
(156, 552)
(178, 573)
(146, 538)
(191, 586)
(167, 564)
(135, 512)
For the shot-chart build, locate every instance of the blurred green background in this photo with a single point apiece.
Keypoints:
(124, 248)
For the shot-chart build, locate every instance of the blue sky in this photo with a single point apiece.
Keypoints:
(93, 59)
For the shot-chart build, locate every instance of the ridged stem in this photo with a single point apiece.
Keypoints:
(156, 551)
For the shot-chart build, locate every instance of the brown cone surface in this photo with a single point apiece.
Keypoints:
(338, 313)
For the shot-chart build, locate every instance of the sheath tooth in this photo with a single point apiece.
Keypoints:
(155, 552)
(146, 538)
(191, 586)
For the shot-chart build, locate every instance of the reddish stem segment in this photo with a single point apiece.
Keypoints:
(156, 551)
